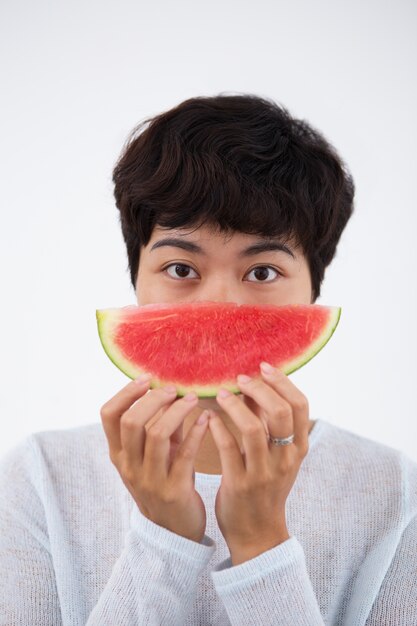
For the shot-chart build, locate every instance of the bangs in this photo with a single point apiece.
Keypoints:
(226, 187)
(235, 164)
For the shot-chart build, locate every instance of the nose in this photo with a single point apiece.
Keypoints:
(220, 291)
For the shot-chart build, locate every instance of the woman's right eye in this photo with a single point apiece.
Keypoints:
(180, 269)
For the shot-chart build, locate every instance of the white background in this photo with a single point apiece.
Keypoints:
(77, 76)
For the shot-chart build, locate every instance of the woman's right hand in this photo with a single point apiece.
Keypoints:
(160, 481)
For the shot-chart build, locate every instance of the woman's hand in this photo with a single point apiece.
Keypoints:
(154, 462)
(250, 503)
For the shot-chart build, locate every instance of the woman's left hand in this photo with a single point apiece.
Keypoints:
(250, 503)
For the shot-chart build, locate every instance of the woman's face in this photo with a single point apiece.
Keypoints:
(205, 264)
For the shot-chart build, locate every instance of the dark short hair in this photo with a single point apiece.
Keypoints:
(237, 163)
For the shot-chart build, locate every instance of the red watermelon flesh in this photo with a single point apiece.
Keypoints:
(202, 346)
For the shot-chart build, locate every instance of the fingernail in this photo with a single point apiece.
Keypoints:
(203, 418)
(143, 378)
(267, 368)
(223, 393)
(242, 378)
(190, 396)
(170, 389)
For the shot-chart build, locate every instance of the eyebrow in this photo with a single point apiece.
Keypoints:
(260, 246)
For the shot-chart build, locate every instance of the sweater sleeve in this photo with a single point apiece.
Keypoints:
(154, 581)
(273, 588)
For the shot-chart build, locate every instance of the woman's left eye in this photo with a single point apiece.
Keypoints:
(261, 272)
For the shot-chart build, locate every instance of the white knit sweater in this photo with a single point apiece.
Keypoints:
(75, 549)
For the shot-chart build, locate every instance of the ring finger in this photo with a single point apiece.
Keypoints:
(299, 407)
(157, 445)
(134, 421)
(276, 411)
(252, 431)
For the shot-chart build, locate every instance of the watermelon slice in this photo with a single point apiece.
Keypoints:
(204, 345)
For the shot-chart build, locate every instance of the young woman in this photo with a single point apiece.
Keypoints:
(234, 510)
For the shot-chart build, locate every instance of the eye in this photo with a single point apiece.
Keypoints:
(261, 273)
(180, 269)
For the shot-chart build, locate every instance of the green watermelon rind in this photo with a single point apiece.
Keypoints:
(108, 319)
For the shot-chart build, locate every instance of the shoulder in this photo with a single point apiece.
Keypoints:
(352, 447)
(371, 467)
(78, 441)
(53, 483)
(49, 456)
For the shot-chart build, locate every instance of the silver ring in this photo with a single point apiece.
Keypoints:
(279, 441)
